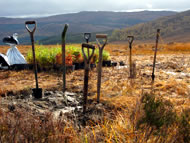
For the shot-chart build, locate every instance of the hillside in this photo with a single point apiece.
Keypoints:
(79, 23)
(173, 28)
(71, 38)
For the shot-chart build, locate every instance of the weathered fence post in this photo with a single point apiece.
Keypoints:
(130, 40)
(155, 53)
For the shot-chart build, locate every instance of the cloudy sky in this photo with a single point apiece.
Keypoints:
(19, 8)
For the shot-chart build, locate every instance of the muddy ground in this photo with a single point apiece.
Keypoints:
(172, 82)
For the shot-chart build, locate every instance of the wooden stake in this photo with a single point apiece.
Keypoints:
(155, 53)
(63, 56)
(130, 40)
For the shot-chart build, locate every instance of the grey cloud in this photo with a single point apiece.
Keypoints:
(45, 7)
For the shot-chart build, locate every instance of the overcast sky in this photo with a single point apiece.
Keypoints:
(50, 7)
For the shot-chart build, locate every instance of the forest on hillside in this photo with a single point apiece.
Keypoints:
(171, 26)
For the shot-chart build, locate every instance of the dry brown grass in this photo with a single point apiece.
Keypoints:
(117, 90)
(148, 49)
(15, 81)
(120, 49)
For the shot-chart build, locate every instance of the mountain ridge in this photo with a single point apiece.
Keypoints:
(173, 28)
(86, 21)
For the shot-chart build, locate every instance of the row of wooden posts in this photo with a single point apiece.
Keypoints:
(37, 92)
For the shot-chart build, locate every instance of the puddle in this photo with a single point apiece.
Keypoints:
(121, 67)
(179, 74)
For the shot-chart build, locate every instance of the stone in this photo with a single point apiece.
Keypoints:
(70, 99)
(54, 102)
(48, 93)
(70, 94)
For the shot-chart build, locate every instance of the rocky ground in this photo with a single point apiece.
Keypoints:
(68, 105)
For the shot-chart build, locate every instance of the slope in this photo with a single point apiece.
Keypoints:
(173, 28)
(79, 23)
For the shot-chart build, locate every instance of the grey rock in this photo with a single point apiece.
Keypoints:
(57, 103)
(70, 94)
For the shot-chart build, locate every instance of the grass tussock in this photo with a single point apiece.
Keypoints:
(148, 49)
(20, 126)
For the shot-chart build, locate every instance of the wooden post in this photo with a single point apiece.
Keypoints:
(130, 40)
(155, 53)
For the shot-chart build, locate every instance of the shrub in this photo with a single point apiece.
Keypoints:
(21, 126)
(158, 116)
(106, 55)
(158, 113)
(158, 121)
(49, 56)
(68, 59)
(44, 56)
(184, 126)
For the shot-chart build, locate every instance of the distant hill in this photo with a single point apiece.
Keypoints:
(71, 38)
(78, 23)
(174, 28)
